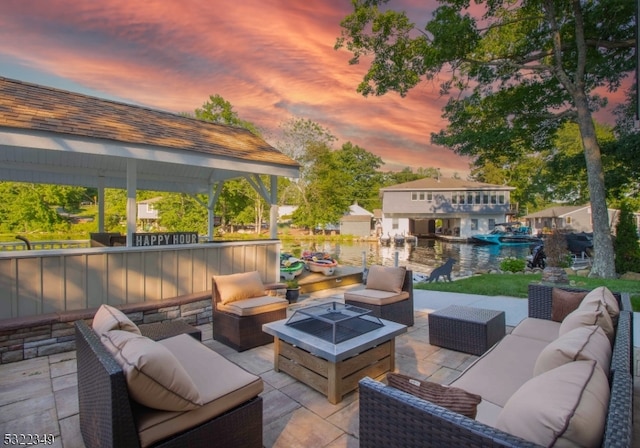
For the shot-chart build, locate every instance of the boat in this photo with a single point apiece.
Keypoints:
(319, 262)
(507, 233)
(398, 239)
(290, 266)
(385, 240)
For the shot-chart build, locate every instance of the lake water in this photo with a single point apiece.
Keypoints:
(421, 258)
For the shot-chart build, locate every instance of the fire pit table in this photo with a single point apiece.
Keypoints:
(331, 346)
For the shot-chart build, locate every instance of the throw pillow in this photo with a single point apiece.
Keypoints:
(563, 302)
(452, 398)
(583, 343)
(587, 317)
(605, 296)
(244, 285)
(386, 278)
(155, 378)
(108, 318)
(566, 406)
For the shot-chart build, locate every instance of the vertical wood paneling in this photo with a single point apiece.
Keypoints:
(185, 272)
(29, 287)
(152, 276)
(199, 281)
(169, 273)
(35, 284)
(53, 280)
(8, 296)
(135, 277)
(97, 276)
(116, 278)
(75, 287)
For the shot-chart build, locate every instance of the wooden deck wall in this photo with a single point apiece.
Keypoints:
(49, 281)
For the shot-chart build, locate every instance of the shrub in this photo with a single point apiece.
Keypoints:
(512, 264)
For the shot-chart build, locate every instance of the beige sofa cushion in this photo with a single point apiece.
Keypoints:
(605, 296)
(566, 406)
(500, 372)
(240, 286)
(375, 296)
(222, 385)
(564, 302)
(155, 377)
(534, 328)
(108, 318)
(583, 343)
(583, 317)
(386, 278)
(255, 305)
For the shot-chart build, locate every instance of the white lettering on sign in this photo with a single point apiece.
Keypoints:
(160, 239)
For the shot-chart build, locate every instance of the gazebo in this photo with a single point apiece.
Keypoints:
(54, 136)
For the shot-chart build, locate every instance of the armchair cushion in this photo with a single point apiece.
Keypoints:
(566, 406)
(564, 302)
(254, 305)
(154, 376)
(108, 318)
(582, 343)
(239, 286)
(385, 278)
(375, 296)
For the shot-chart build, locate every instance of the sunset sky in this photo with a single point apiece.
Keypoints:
(271, 59)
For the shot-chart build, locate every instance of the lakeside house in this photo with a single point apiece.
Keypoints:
(576, 218)
(450, 208)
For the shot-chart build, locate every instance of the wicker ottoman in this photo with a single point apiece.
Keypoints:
(466, 329)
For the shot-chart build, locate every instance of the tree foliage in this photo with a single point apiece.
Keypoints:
(627, 247)
(523, 70)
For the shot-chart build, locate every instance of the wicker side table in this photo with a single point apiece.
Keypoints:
(466, 329)
(163, 330)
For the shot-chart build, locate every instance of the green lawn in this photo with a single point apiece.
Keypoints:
(516, 285)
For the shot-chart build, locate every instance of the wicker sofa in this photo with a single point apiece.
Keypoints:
(110, 417)
(392, 418)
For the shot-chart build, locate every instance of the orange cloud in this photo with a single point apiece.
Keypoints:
(272, 60)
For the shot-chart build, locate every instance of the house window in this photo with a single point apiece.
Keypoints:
(474, 224)
(429, 197)
(485, 198)
(470, 198)
(492, 223)
(568, 219)
(414, 196)
(454, 198)
(421, 196)
(394, 223)
(461, 198)
(494, 198)
(501, 199)
(478, 197)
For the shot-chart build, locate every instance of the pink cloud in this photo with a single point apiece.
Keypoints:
(272, 60)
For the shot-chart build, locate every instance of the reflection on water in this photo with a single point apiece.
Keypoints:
(423, 257)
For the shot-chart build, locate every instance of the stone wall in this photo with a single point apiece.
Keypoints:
(48, 334)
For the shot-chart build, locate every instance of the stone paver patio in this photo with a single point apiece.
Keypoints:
(39, 396)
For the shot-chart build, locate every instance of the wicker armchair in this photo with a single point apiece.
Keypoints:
(400, 311)
(243, 332)
(107, 412)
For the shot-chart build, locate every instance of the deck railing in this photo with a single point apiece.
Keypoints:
(34, 282)
(41, 245)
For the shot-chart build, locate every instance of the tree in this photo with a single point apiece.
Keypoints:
(523, 69)
(218, 110)
(627, 248)
(361, 168)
